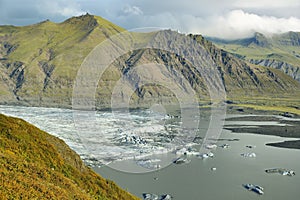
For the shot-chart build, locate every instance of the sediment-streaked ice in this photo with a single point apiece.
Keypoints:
(106, 137)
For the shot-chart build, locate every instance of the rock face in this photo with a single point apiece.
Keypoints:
(242, 78)
(278, 51)
(36, 165)
(39, 65)
(260, 40)
(287, 68)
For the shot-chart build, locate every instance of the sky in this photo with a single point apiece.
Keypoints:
(228, 19)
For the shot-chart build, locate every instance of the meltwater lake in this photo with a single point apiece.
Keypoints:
(145, 141)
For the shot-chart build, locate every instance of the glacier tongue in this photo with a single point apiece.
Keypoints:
(111, 137)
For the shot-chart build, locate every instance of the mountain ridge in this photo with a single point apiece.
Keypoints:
(279, 51)
(39, 64)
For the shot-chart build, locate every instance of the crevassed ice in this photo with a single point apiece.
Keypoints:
(115, 136)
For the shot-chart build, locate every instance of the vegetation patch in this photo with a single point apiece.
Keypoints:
(36, 165)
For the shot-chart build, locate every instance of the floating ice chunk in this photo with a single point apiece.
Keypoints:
(284, 172)
(211, 146)
(181, 161)
(225, 146)
(249, 155)
(149, 163)
(206, 155)
(192, 153)
(181, 151)
(166, 197)
(189, 152)
(148, 196)
(254, 188)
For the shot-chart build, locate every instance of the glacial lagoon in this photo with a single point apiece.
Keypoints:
(219, 177)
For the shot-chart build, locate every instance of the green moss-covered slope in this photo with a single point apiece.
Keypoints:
(36, 165)
(38, 63)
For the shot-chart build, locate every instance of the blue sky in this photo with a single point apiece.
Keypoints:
(220, 18)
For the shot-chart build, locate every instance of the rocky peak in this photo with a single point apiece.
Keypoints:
(260, 40)
(85, 22)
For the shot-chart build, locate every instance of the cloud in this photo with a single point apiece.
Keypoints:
(20, 12)
(65, 8)
(266, 3)
(231, 20)
(227, 19)
(132, 10)
(232, 25)
(240, 24)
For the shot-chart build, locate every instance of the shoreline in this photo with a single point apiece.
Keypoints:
(231, 108)
(289, 130)
(290, 144)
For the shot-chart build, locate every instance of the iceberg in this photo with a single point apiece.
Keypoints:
(213, 169)
(181, 161)
(211, 146)
(166, 197)
(149, 163)
(189, 152)
(148, 196)
(249, 155)
(284, 172)
(225, 146)
(254, 188)
(206, 155)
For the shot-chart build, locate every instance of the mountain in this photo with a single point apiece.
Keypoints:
(39, 64)
(36, 165)
(242, 78)
(279, 51)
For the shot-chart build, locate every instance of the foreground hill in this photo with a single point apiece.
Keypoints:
(36, 165)
(39, 64)
(281, 51)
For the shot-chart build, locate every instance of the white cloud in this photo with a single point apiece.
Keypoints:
(65, 8)
(239, 24)
(266, 3)
(132, 10)
(227, 19)
(231, 25)
(67, 12)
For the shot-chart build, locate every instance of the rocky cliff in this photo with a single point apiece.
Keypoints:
(279, 51)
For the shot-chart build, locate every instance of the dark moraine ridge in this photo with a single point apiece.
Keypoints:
(291, 130)
(286, 144)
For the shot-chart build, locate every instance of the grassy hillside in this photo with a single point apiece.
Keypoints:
(280, 51)
(36, 165)
(39, 63)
